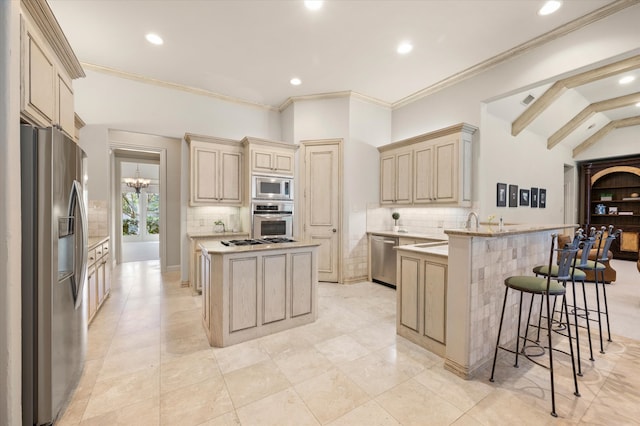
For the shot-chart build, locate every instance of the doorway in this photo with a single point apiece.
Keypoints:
(140, 210)
(137, 212)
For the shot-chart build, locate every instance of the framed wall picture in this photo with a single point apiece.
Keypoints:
(524, 197)
(534, 197)
(501, 195)
(513, 195)
(542, 198)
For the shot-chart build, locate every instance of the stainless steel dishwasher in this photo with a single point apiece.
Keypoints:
(383, 260)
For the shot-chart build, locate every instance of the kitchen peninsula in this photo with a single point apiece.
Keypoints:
(254, 290)
(479, 261)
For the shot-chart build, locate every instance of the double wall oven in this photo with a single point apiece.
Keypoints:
(272, 207)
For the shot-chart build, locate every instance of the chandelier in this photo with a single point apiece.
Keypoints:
(137, 183)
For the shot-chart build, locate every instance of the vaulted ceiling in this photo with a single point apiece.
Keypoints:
(248, 50)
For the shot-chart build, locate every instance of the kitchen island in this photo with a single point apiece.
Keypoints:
(255, 290)
(479, 261)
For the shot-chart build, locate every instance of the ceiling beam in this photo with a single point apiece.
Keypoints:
(558, 88)
(588, 112)
(616, 124)
(536, 108)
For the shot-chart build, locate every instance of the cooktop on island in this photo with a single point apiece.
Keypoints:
(251, 242)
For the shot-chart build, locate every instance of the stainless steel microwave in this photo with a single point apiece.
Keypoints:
(272, 188)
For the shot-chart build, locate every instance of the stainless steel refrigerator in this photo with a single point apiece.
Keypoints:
(54, 265)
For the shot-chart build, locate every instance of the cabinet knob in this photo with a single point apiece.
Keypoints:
(334, 230)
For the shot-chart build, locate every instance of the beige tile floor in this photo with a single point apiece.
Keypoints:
(149, 363)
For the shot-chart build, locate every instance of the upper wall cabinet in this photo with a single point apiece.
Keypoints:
(216, 171)
(429, 169)
(48, 66)
(270, 157)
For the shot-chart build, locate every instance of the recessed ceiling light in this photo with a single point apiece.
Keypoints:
(154, 39)
(627, 79)
(638, 104)
(549, 7)
(313, 4)
(295, 81)
(404, 47)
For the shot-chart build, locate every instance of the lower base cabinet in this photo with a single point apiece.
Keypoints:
(421, 300)
(98, 277)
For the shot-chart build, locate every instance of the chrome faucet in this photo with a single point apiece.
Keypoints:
(471, 214)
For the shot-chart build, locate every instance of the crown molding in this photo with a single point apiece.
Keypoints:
(549, 36)
(46, 22)
(175, 86)
(333, 95)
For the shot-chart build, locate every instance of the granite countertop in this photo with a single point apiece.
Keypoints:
(216, 247)
(211, 234)
(437, 249)
(94, 241)
(437, 237)
(508, 230)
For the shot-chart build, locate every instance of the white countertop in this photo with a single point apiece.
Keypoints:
(437, 237)
(508, 230)
(215, 247)
(437, 249)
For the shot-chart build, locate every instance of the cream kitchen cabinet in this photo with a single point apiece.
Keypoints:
(197, 238)
(422, 298)
(270, 157)
(48, 66)
(396, 177)
(98, 276)
(433, 168)
(216, 171)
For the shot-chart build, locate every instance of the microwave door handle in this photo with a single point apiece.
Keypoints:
(274, 216)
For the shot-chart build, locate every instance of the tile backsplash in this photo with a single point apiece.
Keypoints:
(202, 219)
(428, 220)
(98, 213)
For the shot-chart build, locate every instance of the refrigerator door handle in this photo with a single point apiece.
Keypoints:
(82, 273)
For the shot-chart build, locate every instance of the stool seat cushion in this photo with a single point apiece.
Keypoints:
(578, 274)
(536, 285)
(593, 265)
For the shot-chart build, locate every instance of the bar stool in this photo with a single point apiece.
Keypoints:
(544, 287)
(579, 241)
(598, 266)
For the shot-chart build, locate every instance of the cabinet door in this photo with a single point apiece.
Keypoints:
(409, 315)
(301, 283)
(38, 83)
(274, 288)
(243, 293)
(404, 178)
(66, 117)
(423, 171)
(435, 279)
(92, 292)
(283, 162)
(230, 177)
(106, 262)
(388, 179)
(205, 271)
(204, 172)
(100, 281)
(446, 171)
(262, 161)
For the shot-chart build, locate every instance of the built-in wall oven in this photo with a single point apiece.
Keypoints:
(272, 188)
(272, 219)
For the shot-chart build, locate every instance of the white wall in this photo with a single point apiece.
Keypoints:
(10, 224)
(620, 142)
(524, 161)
